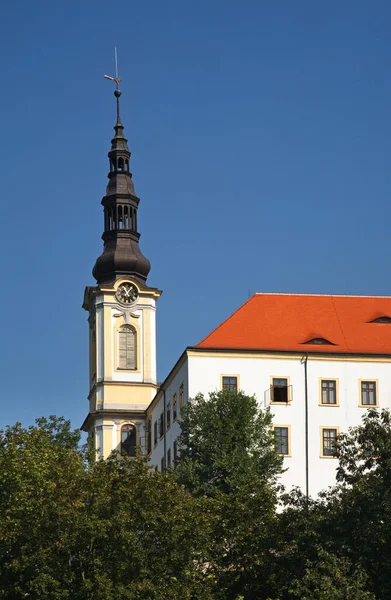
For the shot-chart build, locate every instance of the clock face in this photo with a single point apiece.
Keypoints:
(126, 293)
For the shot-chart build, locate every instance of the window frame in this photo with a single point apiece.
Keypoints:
(322, 429)
(321, 380)
(231, 376)
(129, 328)
(288, 427)
(161, 426)
(131, 426)
(376, 382)
(288, 386)
(168, 416)
(156, 433)
(149, 436)
(174, 407)
(181, 396)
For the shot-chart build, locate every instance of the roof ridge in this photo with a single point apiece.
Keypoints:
(318, 295)
(225, 320)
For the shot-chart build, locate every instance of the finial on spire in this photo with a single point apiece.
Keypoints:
(117, 80)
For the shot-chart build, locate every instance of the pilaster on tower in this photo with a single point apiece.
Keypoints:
(122, 316)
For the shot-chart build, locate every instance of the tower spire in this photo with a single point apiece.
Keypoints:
(117, 80)
(121, 254)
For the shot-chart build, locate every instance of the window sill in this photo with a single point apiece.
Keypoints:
(332, 405)
(368, 405)
(280, 403)
(325, 456)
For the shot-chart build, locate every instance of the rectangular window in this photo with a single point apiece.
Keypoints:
(279, 391)
(329, 391)
(161, 425)
(174, 409)
(329, 441)
(281, 440)
(162, 466)
(155, 432)
(230, 384)
(168, 458)
(168, 416)
(175, 452)
(181, 396)
(149, 436)
(368, 393)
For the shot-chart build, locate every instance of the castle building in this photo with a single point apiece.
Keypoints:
(317, 361)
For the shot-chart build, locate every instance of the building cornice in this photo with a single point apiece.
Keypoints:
(288, 354)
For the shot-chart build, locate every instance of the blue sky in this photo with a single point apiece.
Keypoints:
(260, 136)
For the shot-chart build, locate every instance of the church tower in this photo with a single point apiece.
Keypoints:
(122, 316)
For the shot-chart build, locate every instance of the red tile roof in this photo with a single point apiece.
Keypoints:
(287, 321)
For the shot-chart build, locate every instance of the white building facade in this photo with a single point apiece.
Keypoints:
(339, 390)
(313, 393)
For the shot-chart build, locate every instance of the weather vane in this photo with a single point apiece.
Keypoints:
(116, 79)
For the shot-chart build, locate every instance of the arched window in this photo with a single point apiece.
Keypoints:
(127, 348)
(120, 164)
(126, 217)
(120, 220)
(128, 440)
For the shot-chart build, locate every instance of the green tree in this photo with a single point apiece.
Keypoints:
(297, 536)
(109, 530)
(359, 508)
(227, 454)
(330, 577)
(226, 444)
(42, 472)
(148, 537)
(351, 522)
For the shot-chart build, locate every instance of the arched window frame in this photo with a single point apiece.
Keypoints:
(128, 441)
(127, 348)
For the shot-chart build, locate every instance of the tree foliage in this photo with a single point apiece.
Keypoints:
(110, 530)
(227, 454)
(226, 445)
(215, 528)
(348, 526)
(329, 577)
